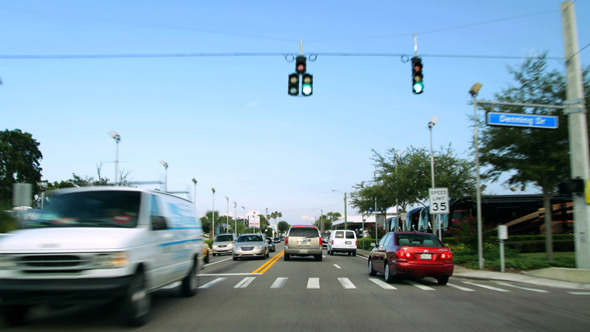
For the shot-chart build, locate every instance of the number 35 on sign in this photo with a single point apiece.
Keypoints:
(439, 200)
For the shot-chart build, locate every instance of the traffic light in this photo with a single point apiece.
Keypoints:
(294, 84)
(417, 76)
(300, 64)
(307, 86)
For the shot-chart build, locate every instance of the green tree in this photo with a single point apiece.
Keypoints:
(207, 221)
(534, 156)
(404, 179)
(20, 161)
(323, 219)
(283, 227)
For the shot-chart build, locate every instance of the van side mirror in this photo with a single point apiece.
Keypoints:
(159, 223)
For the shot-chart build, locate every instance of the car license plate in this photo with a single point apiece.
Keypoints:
(348, 242)
(425, 256)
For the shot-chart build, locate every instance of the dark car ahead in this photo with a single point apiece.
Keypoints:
(271, 245)
(412, 254)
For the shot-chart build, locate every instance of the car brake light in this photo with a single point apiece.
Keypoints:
(287, 240)
(446, 255)
(332, 242)
(403, 254)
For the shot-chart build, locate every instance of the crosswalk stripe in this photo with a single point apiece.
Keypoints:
(245, 282)
(461, 288)
(338, 266)
(422, 287)
(313, 283)
(279, 283)
(486, 287)
(346, 283)
(382, 284)
(212, 282)
(525, 288)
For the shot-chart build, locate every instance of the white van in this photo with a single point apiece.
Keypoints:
(101, 243)
(342, 241)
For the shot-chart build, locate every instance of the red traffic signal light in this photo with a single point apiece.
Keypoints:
(294, 84)
(417, 76)
(300, 64)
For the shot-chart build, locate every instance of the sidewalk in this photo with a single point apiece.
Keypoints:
(552, 277)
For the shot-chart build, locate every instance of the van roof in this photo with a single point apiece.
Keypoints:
(113, 188)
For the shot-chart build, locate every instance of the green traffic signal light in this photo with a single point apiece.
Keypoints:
(307, 86)
(417, 76)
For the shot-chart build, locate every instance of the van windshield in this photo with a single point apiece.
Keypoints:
(118, 209)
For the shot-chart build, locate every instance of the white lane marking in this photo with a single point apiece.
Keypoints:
(212, 283)
(228, 274)
(313, 283)
(520, 287)
(486, 286)
(337, 266)
(415, 284)
(217, 262)
(245, 282)
(346, 283)
(279, 283)
(461, 288)
(579, 293)
(382, 284)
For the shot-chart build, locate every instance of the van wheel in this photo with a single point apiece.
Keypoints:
(287, 257)
(318, 257)
(14, 315)
(137, 301)
(354, 253)
(190, 283)
(372, 271)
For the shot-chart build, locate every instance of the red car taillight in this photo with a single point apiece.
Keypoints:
(446, 255)
(287, 240)
(403, 254)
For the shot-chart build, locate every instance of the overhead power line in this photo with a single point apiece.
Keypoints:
(247, 54)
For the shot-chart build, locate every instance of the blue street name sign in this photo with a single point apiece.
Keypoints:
(522, 120)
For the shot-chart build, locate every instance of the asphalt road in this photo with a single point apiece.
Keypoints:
(336, 294)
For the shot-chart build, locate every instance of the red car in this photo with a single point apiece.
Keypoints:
(413, 254)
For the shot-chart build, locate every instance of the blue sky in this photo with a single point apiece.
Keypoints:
(228, 120)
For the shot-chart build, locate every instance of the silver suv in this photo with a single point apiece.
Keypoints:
(303, 241)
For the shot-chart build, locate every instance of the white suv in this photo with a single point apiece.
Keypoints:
(342, 241)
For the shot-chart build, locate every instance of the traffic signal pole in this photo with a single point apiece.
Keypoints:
(578, 133)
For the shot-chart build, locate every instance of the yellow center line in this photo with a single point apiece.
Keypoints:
(270, 263)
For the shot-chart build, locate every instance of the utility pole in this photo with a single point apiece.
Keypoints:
(578, 133)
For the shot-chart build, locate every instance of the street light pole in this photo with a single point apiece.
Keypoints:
(474, 91)
(195, 195)
(398, 154)
(117, 138)
(227, 214)
(213, 216)
(345, 209)
(165, 164)
(236, 219)
(431, 124)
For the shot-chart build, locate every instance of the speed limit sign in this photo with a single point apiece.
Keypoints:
(439, 200)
